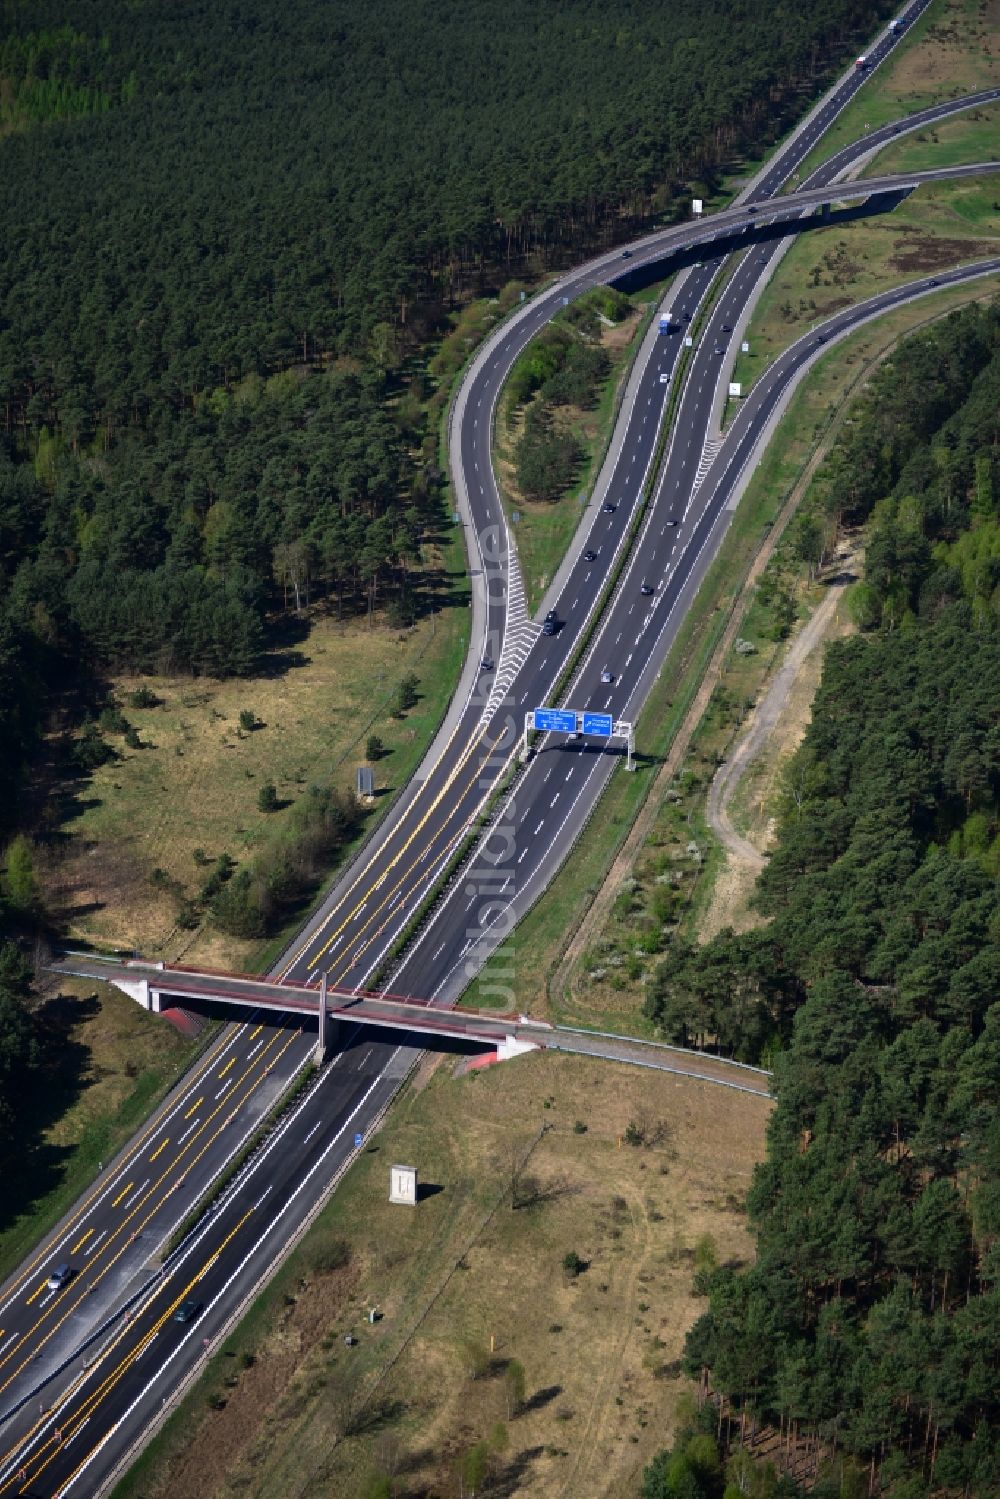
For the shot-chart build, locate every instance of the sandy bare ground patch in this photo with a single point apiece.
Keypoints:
(769, 722)
(763, 723)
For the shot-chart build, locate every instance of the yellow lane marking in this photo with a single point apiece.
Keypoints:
(420, 860)
(123, 1194)
(35, 1294)
(256, 1033)
(137, 1144)
(362, 873)
(160, 1148)
(229, 1064)
(71, 1424)
(195, 1107)
(81, 1241)
(352, 954)
(257, 1072)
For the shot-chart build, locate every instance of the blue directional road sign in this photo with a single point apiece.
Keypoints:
(556, 720)
(598, 723)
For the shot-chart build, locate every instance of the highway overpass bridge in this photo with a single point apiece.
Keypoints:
(163, 986)
(762, 220)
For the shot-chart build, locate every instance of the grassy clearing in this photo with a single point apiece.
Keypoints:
(753, 804)
(191, 792)
(540, 940)
(109, 1065)
(543, 531)
(942, 225)
(957, 141)
(600, 1350)
(949, 52)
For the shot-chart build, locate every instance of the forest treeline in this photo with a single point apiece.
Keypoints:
(226, 241)
(870, 1322)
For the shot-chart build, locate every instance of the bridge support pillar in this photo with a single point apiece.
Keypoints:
(328, 1027)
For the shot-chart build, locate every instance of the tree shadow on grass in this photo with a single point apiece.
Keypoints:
(541, 1398)
(377, 1416)
(510, 1478)
(37, 1166)
(274, 664)
(532, 1193)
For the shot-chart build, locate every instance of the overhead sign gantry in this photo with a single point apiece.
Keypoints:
(569, 721)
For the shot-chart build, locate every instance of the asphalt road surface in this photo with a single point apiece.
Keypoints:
(100, 1411)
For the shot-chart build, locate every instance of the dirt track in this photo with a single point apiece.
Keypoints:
(761, 726)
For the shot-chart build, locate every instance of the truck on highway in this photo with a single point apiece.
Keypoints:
(861, 63)
(665, 321)
(896, 26)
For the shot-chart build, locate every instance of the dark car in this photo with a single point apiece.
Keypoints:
(188, 1310)
(626, 255)
(751, 208)
(590, 555)
(646, 589)
(608, 508)
(719, 349)
(551, 623)
(487, 663)
(672, 522)
(726, 328)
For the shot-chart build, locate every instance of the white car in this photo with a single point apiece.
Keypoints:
(607, 677)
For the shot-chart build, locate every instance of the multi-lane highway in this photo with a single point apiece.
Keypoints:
(102, 1409)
